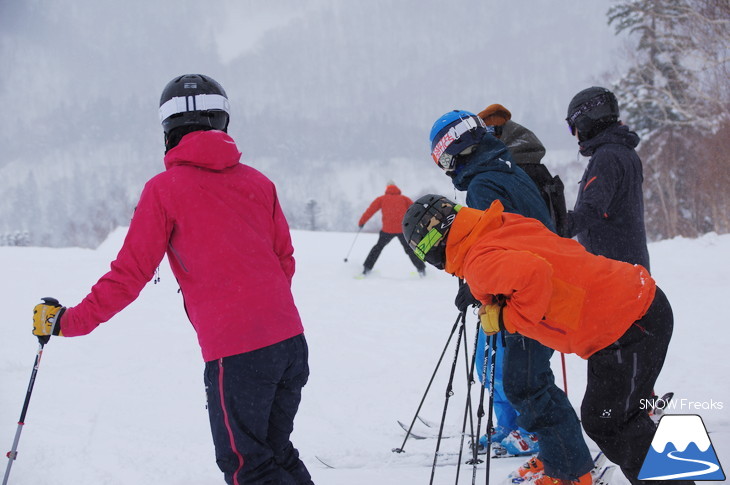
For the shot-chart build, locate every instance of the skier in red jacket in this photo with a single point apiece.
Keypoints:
(228, 244)
(393, 205)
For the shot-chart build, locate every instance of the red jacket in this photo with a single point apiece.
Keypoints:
(228, 245)
(557, 293)
(393, 206)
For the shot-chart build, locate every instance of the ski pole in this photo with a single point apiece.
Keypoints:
(492, 364)
(565, 374)
(428, 387)
(13, 453)
(449, 393)
(353, 243)
(468, 411)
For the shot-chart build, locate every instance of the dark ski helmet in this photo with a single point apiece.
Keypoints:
(194, 100)
(591, 111)
(426, 225)
(454, 133)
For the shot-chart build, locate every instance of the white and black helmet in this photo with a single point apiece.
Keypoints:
(194, 100)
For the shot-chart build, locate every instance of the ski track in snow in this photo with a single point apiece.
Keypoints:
(126, 404)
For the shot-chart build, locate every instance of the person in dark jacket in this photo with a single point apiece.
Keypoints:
(392, 205)
(608, 218)
(477, 162)
(228, 244)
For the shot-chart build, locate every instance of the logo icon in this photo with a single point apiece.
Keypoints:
(681, 449)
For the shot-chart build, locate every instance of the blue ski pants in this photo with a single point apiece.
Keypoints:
(252, 400)
(538, 405)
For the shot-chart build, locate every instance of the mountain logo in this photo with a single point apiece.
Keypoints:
(681, 450)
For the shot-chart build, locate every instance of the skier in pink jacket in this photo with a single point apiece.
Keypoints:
(229, 246)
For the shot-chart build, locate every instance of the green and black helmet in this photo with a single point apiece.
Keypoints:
(426, 225)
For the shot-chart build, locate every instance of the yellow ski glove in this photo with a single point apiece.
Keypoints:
(47, 318)
(490, 317)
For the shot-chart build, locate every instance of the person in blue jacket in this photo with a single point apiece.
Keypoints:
(527, 401)
(608, 218)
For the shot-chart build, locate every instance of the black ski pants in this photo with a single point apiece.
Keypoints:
(252, 400)
(385, 238)
(619, 376)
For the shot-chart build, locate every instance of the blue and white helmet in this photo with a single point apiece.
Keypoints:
(454, 133)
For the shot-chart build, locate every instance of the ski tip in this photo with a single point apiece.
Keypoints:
(605, 475)
(324, 462)
(410, 432)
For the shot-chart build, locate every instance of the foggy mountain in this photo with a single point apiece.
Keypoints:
(330, 99)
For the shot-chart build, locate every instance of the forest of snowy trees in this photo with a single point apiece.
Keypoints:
(332, 99)
(676, 95)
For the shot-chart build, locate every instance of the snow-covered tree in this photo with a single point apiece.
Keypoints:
(675, 95)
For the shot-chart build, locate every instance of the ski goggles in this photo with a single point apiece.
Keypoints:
(427, 243)
(584, 108)
(432, 248)
(199, 102)
(440, 152)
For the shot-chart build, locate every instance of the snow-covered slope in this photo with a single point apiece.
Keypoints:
(126, 405)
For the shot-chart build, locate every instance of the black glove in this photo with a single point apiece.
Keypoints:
(464, 299)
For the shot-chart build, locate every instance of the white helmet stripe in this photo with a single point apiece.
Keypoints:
(453, 134)
(200, 102)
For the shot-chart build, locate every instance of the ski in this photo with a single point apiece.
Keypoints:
(324, 462)
(428, 423)
(659, 406)
(502, 453)
(602, 470)
(413, 434)
(604, 477)
(416, 459)
(420, 435)
(598, 463)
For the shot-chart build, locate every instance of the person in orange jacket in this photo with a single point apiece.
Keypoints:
(548, 288)
(393, 206)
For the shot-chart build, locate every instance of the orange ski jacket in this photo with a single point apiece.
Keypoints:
(556, 292)
(393, 206)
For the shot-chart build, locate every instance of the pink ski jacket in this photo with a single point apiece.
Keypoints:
(228, 244)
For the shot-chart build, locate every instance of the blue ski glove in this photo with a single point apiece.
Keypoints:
(47, 319)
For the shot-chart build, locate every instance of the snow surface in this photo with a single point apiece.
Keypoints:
(126, 404)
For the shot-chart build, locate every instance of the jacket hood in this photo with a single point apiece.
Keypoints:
(392, 190)
(212, 149)
(468, 227)
(486, 157)
(619, 134)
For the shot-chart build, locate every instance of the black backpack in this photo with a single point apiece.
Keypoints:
(527, 151)
(552, 191)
